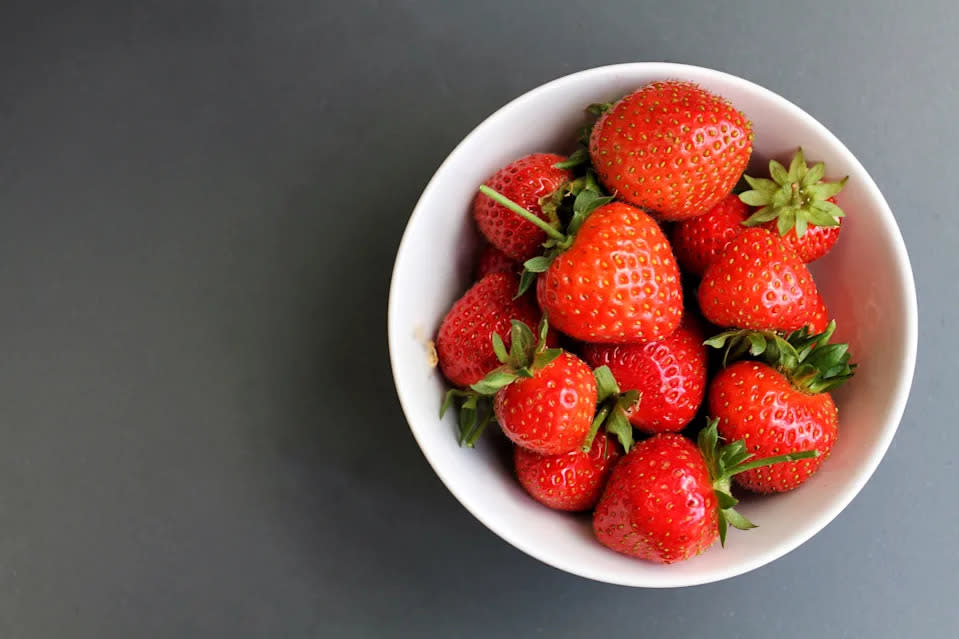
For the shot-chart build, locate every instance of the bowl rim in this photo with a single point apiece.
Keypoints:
(903, 385)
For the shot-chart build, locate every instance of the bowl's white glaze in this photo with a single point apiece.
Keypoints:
(866, 281)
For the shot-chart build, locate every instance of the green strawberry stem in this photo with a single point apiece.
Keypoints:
(724, 462)
(601, 416)
(769, 461)
(520, 211)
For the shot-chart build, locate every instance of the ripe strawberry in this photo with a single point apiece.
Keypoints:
(668, 500)
(617, 282)
(780, 405)
(669, 373)
(463, 342)
(529, 181)
(571, 481)
(493, 260)
(671, 147)
(799, 205)
(698, 242)
(551, 412)
(760, 283)
(819, 320)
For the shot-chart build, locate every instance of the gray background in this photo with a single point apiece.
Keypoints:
(199, 208)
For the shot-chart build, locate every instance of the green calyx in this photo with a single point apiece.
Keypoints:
(526, 355)
(587, 196)
(728, 460)
(809, 362)
(612, 410)
(796, 197)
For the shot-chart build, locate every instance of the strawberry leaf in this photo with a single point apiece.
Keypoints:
(619, 426)
(500, 349)
(578, 158)
(606, 385)
(736, 520)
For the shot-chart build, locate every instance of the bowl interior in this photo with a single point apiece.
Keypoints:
(866, 282)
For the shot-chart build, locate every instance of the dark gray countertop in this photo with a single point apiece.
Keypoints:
(199, 208)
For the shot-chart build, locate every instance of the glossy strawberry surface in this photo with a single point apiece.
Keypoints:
(464, 342)
(551, 412)
(571, 481)
(755, 403)
(671, 147)
(659, 503)
(669, 373)
(618, 282)
(526, 182)
(700, 241)
(758, 283)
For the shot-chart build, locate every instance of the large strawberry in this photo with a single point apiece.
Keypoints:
(671, 147)
(668, 500)
(611, 277)
(463, 343)
(700, 241)
(570, 481)
(530, 181)
(797, 204)
(760, 283)
(779, 405)
(669, 373)
(617, 282)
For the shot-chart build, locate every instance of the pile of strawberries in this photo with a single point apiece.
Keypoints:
(575, 338)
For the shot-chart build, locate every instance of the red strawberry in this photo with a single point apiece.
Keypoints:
(667, 501)
(669, 373)
(528, 182)
(493, 260)
(551, 412)
(571, 481)
(758, 282)
(698, 242)
(816, 242)
(463, 343)
(820, 316)
(780, 406)
(617, 282)
(671, 147)
(799, 205)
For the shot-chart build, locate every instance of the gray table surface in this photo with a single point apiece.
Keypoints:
(200, 204)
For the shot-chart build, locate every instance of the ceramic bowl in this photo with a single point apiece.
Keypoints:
(866, 281)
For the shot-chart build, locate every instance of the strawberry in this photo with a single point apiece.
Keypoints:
(570, 481)
(530, 182)
(669, 373)
(760, 283)
(463, 342)
(617, 282)
(493, 260)
(671, 147)
(552, 411)
(781, 404)
(668, 500)
(698, 242)
(798, 204)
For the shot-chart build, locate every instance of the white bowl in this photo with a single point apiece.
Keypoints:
(866, 281)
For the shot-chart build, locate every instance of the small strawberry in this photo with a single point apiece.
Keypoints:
(571, 481)
(493, 260)
(530, 181)
(463, 342)
(797, 204)
(698, 242)
(668, 500)
(669, 373)
(780, 405)
(671, 147)
(760, 283)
